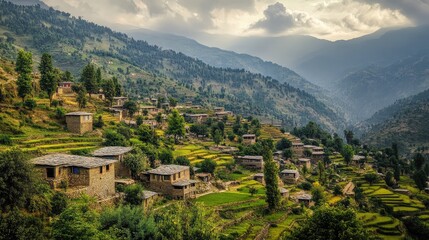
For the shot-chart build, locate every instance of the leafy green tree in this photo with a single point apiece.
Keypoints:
(183, 161)
(134, 194)
(139, 120)
(166, 156)
(199, 129)
(132, 107)
(420, 179)
(419, 161)
(109, 90)
(48, 77)
(158, 118)
(416, 227)
(136, 162)
(98, 77)
(176, 125)
(287, 153)
(371, 178)
(59, 202)
(125, 131)
(147, 134)
(88, 79)
(77, 221)
(118, 87)
(113, 138)
(24, 68)
(271, 178)
(151, 152)
(17, 224)
(172, 101)
(337, 190)
(17, 179)
(252, 190)
(324, 224)
(347, 153)
(318, 195)
(390, 181)
(349, 136)
(217, 137)
(208, 166)
(283, 144)
(81, 98)
(397, 172)
(321, 172)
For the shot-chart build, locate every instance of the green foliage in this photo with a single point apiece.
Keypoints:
(217, 137)
(253, 190)
(17, 181)
(419, 161)
(99, 123)
(305, 185)
(390, 181)
(324, 224)
(59, 202)
(77, 221)
(88, 78)
(318, 195)
(416, 227)
(128, 222)
(60, 113)
(48, 78)
(113, 138)
(5, 140)
(136, 162)
(147, 134)
(109, 90)
(176, 125)
(337, 190)
(81, 152)
(271, 172)
(347, 153)
(81, 97)
(24, 68)
(134, 194)
(182, 160)
(199, 129)
(132, 107)
(283, 144)
(125, 131)
(208, 166)
(166, 156)
(30, 104)
(371, 178)
(420, 179)
(17, 224)
(139, 120)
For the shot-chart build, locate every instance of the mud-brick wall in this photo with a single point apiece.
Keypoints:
(79, 124)
(102, 185)
(81, 179)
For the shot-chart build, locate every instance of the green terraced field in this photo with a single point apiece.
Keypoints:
(216, 199)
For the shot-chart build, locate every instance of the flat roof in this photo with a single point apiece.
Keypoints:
(304, 197)
(317, 153)
(168, 169)
(68, 160)
(251, 157)
(183, 183)
(111, 151)
(303, 159)
(148, 194)
(78, 114)
(249, 135)
(289, 171)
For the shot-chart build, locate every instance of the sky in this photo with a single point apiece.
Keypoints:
(327, 19)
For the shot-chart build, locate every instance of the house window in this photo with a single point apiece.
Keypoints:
(107, 168)
(174, 177)
(50, 172)
(75, 170)
(166, 178)
(179, 174)
(101, 169)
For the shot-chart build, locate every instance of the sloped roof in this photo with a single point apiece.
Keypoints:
(168, 169)
(289, 171)
(251, 157)
(148, 194)
(183, 183)
(111, 151)
(71, 160)
(78, 114)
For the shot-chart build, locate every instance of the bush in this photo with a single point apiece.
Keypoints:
(30, 104)
(305, 186)
(55, 103)
(99, 123)
(59, 202)
(81, 152)
(60, 113)
(134, 194)
(208, 165)
(114, 139)
(5, 140)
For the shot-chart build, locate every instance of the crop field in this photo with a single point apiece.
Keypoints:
(197, 154)
(386, 227)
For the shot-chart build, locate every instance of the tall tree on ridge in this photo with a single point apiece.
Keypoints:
(48, 79)
(23, 67)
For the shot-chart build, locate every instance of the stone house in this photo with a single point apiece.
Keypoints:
(149, 198)
(298, 149)
(304, 162)
(358, 159)
(289, 175)
(305, 199)
(317, 156)
(118, 102)
(221, 115)
(204, 177)
(196, 118)
(64, 88)
(115, 153)
(259, 177)
(78, 174)
(150, 110)
(171, 180)
(79, 122)
(284, 193)
(249, 138)
(252, 162)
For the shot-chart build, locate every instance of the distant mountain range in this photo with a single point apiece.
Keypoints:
(405, 122)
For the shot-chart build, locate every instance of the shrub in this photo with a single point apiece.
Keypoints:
(305, 186)
(5, 140)
(60, 113)
(80, 152)
(134, 194)
(99, 123)
(58, 202)
(30, 104)
(55, 103)
(208, 165)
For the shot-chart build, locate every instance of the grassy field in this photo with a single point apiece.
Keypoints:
(216, 199)
(197, 153)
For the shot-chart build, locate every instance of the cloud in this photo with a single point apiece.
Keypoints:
(416, 10)
(278, 19)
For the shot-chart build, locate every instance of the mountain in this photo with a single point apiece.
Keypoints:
(326, 66)
(404, 122)
(148, 70)
(29, 3)
(373, 88)
(229, 59)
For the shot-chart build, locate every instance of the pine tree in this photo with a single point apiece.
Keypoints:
(24, 68)
(49, 79)
(118, 87)
(271, 180)
(109, 90)
(88, 79)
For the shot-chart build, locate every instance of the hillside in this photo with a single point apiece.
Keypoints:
(404, 122)
(147, 70)
(374, 88)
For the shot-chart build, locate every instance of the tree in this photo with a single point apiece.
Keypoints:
(199, 129)
(287, 153)
(349, 136)
(166, 156)
(172, 101)
(88, 79)
(18, 224)
(109, 90)
(113, 138)
(271, 178)
(208, 166)
(347, 153)
(217, 137)
(318, 195)
(419, 161)
(59, 202)
(118, 87)
(183, 161)
(134, 194)
(371, 178)
(390, 181)
(321, 172)
(283, 144)
(324, 224)
(81, 98)
(136, 162)
(98, 77)
(420, 179)
(158, 118)
(24, 68)
(397, 172)
(139, 120)
(132, 107)
(337, 190)
(252, 190)
(17, 179)
(176, 125)
(147, 134)
(48, 77)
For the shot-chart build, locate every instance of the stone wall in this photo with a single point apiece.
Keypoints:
(79, 124)
(102, 185)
